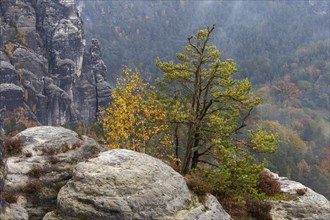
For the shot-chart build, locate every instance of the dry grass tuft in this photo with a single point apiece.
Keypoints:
(10, 197)
(268, 185)
(13, 146)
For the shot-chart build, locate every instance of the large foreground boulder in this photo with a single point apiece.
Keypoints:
(307, 204)
(123, 184)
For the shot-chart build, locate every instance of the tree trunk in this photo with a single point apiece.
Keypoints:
(176, 142)
(191, 157)
(187, 157)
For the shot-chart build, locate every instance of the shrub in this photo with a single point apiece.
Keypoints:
(13, 146)
(32, 187)
(94, 131)
(234, 209)
(197, 185)
(49, 151)
(28, 154)
(10, 197)
(236, 176)
(65, 148)
(301, 191)
(258, 209)
(18, 120)
(54, 160)
(76, 145)
(268, 185)
(10, 49)
(36, 172)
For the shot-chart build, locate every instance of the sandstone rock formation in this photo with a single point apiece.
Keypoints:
(308, 205)
(43, 52)
(56, 169)
(210, 209)
(59, 175)
(44, 165)
(123, 184)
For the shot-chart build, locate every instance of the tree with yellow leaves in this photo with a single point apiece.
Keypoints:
(135, 119)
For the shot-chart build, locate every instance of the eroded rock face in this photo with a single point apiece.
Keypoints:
(11, 97)
(308, 205)
(45, 164)
(123, 184)
(43, 51)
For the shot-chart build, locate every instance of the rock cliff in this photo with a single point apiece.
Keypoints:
(45, 65)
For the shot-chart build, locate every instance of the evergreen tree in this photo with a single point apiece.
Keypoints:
(207, 104)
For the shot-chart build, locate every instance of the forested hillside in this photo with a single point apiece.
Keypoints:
(282, 47)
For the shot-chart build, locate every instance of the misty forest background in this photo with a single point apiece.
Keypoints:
(282, 47)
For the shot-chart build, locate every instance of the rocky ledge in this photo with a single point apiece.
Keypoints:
(306, 205)
(70, 177)
(59, 175)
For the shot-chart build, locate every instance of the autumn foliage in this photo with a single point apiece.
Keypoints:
(135, 119)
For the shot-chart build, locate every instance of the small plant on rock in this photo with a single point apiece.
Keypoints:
(301, 191)
(32, 187)
(54, 160)
(49, 151)
(10, 49)
(258, 209)
(13, 146)
(36, 172)
(197, 185)
(268, 185)
(18, 120)
(76, 145)
(65, 148)
(28, 154)
(10, 197)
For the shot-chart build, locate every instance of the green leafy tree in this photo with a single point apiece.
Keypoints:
(208, 107)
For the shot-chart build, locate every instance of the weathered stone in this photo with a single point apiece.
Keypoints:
(11, 96)
(308, 205)
(25, 59)
(98, 70)
(56, 215)
(12, 211)
(210, 209)
(48, 157)
(3, 57)
(8, 73)
(122, 184)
